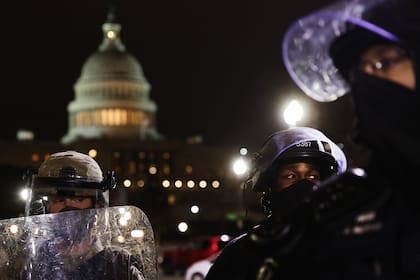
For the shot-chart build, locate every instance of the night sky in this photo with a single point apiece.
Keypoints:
(215, 67)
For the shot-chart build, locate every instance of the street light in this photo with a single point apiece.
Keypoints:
(243, 151)
(194, 209)
(293, 113)
(24, 194)
(240, 166)
(182, 226)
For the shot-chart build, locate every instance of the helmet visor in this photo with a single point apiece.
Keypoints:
(80, 187)
(307, 42)
(44, 188)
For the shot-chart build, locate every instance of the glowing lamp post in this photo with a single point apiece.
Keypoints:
(240, 166)
(293, 113)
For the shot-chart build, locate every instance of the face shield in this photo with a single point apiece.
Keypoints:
(44, 189)
(306, 44)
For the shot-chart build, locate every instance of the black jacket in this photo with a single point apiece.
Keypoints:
(352, 228)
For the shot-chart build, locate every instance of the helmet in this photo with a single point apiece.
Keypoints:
(70, 173)
(293, 145)
(319, 63)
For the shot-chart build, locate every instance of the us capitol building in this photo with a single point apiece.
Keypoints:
(113, 119)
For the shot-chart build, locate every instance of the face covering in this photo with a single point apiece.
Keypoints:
(283, 203)
(387, 121)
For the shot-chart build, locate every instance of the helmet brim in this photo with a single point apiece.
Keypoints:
(346, 49)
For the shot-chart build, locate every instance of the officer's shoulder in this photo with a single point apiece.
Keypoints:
(235, 246)
(236, 241)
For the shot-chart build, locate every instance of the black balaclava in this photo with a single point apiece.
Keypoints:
(387, 113)
(283, 203)
(387, 118)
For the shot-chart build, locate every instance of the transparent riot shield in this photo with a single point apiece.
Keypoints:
(104, 243)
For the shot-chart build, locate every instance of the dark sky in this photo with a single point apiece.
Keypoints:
(215, 67)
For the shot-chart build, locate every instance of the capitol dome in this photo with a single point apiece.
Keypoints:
(112, 64)
(112, 98)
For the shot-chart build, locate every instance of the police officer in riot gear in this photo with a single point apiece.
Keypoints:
(77, 237)
(69, 181)
(286, 170)
(293, 152)
(362, 224)
(370, 229)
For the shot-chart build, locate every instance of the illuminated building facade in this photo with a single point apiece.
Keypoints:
(112, 97)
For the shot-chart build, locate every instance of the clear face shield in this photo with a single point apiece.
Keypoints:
(45, 190)
(306, 46)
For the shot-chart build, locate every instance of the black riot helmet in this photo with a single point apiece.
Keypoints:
(390, 22)
(69, 173)
(296, 144)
